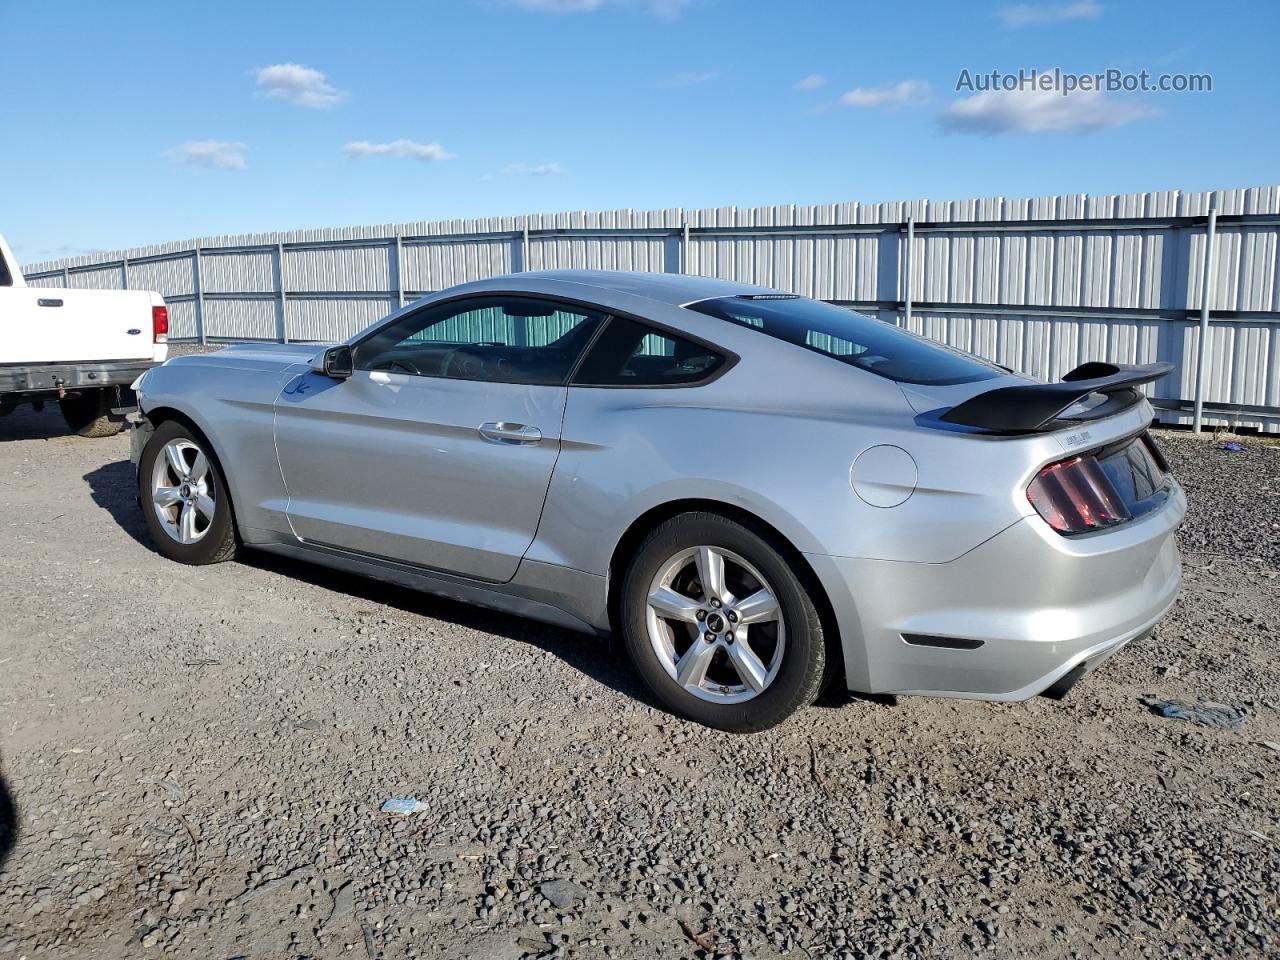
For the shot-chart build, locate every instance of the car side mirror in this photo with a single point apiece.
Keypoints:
(335, 362)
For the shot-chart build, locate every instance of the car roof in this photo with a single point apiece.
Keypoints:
(672, 288)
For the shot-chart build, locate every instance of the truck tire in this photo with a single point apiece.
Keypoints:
(89, 414)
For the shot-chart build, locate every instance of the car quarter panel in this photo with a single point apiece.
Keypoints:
(229, 396)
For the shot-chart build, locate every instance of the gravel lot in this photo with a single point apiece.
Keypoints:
(196, 758)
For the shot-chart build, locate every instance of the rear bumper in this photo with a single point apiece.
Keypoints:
(54, 377)
(1022, 610)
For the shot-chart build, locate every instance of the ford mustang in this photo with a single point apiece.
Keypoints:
(757, 492)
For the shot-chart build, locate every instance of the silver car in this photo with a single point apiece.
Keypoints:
(758, 492)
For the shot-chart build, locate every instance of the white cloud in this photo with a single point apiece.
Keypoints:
(426, 152)
(1032, 14)
(214, 154)
(691, 79)
(812, 82)
(899, 94)
(1041, 111)
(295, 83)
(667, 9)
(532, 169)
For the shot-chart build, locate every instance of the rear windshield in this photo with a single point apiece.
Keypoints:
(850, 337)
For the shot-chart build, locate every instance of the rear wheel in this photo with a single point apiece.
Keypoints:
(184, 497)
(89, 414)
(719, 626)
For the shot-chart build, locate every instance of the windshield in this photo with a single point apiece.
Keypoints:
(851, 338)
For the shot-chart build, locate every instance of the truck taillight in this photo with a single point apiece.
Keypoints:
(160, 324)
(1075, 496)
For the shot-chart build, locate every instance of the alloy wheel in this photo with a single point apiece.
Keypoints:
(182, 493)
(716, 625)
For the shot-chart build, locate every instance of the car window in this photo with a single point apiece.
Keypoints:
(5, 279)
(852, 338)
(632, 354)
(501, 338)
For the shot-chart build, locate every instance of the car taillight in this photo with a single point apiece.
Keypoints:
(1075, 496)
(160, 324)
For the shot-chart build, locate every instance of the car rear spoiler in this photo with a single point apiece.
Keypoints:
(1034, 406)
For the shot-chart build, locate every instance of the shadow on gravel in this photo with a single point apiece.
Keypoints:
(27, 423)
(112, 488)
(593, 656)
(8, 822)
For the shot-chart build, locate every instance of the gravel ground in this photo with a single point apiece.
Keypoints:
(197, 758)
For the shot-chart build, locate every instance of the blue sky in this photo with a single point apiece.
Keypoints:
(145, 122)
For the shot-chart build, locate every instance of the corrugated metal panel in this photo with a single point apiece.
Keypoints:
(240, 320)
(182, 320)
(170, 278)
(331, 320)
(597, 253)
(328, 268)
(826, 267)
(1246, 274)
(238, 272)
(105, 278)
(435, 266)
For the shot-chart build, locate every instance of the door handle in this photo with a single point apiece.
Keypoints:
(47, 302)
(501, 431)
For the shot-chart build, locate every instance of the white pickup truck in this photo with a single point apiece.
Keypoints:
(82, 348)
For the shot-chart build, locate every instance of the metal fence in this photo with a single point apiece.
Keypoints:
(1039, 285)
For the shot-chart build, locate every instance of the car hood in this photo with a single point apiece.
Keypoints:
(260, 356)
(287, 352)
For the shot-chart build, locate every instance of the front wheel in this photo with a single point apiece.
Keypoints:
(719, 626)
(184, 497)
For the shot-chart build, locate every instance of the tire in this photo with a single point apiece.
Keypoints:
(89, 414)
(197, 497)
(724, 686)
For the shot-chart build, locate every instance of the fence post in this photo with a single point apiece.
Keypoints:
(524, 247)
(197, 279)
(1202, 347)
(399, 265)
(124, 273)
(909, 269)
(282, 329)
(684, 247)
